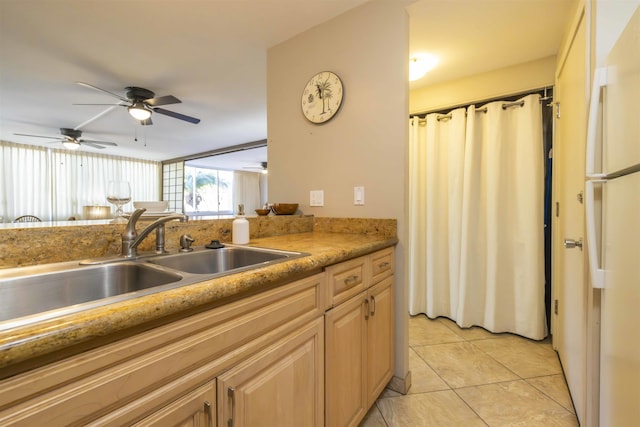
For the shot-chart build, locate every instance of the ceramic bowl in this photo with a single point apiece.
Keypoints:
(263, 212)
(151, 206)
(284, 208)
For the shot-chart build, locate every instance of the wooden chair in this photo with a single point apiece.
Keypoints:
(27, 218)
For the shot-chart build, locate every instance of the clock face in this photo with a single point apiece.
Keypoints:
(322, 97)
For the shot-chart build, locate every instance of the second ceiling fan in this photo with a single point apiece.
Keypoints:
(142, 102)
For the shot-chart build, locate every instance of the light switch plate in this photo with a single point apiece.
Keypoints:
(358, 195)
(316, 198)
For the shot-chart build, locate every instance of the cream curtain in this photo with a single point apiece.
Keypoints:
(246, 190)
(476, 218)
(54, 184)
(25, 181)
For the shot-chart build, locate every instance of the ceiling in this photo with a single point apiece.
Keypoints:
(211, 54)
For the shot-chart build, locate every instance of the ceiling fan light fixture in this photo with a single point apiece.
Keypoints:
(71, 145)
(139, 111)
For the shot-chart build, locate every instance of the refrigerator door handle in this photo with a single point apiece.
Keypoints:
(593, 251)
(599, 80)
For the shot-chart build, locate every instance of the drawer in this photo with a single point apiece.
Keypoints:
(346, 280)
(382, 265)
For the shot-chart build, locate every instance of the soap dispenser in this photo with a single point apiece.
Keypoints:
(240, 228)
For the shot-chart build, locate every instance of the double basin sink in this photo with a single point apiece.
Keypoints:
(32, 294)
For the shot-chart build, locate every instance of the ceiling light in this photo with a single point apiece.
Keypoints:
(419, 65)
(139, 111)
(71, 145)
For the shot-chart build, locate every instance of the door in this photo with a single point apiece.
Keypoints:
(570, 289)
(281, 386)
(346, 343)
(620, 351)
(195, 409)
(379, 339)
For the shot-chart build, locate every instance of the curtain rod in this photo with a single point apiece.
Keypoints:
(477, 110)
(446, 111)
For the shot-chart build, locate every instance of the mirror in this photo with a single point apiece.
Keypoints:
(215, 183)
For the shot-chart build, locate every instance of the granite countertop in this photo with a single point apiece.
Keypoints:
(27, 342)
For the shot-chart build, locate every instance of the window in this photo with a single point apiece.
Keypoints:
(55, 184)
(208, 191)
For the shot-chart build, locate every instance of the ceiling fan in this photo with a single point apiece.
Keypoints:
(71, 138)
(142, 102)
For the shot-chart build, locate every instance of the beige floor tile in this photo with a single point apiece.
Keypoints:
(463, 364)
(555, 387)
(424, 331)
(387, 392)
(516, 403)
(373, 418)
(437, 409)
(423, 378)
(473, 333)
(525, 357)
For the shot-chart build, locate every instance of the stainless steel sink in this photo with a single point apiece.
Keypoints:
(39, 290)
(226, 260)
(32, 294)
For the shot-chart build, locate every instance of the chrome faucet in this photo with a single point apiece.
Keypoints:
(131, 239)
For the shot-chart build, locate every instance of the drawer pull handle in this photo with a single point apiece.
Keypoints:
(208, 413)
(367, 311)
(351, 279)
(384, 265)
(231, 394)
(373, 305)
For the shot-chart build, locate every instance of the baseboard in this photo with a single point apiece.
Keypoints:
(400, 385)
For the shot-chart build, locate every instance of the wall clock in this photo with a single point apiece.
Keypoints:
(322, 97)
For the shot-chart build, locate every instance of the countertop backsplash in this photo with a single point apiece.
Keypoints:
(41, 243)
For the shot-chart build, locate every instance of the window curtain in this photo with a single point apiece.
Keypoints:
(476, 218)
(246, 190)
(25, 182)
(55, 184)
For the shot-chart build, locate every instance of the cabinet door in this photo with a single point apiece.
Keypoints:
(346, 331)
(379, 339)
(195, 409)
(280, 386)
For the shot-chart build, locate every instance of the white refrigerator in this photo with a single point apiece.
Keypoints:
(613, 225)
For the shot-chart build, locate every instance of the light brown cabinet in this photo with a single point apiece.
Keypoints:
(314, 352)
(281, 386)
(167, 372)
(359, 339)
(195, 409)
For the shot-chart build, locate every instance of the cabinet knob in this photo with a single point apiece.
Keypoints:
(231, 394)
(208, 413)
(373, 305)
(351, 279)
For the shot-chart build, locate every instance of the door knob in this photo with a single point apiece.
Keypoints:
(570, 243)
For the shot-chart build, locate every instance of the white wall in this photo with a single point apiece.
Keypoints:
(365, 144)
(502, 82)
(611, 17)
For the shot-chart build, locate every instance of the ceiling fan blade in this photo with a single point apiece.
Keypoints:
(89, 141)
(162, 100)
(176, 115)
(123, 99)
(114, 105)
(37, 136)
(91, 144)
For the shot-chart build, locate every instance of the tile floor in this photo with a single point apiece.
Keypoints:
(471, 377)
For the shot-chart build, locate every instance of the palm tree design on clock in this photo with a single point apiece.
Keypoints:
(323, 91)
